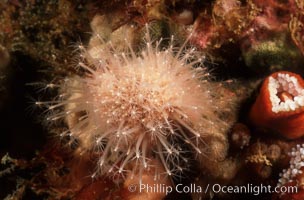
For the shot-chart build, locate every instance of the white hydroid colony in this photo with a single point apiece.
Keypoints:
(295, 168)
(134, 108)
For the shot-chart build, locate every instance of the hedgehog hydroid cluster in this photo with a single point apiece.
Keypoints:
(132, 108)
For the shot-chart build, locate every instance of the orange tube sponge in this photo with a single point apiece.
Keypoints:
(280, 105)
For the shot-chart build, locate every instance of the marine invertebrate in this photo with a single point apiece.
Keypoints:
(292, 177)
(240, 136)
(279, 106)
(132, 108)
(258, 162)
(262, 158)
(296, 166)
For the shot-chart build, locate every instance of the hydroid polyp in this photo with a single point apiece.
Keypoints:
(131, 108)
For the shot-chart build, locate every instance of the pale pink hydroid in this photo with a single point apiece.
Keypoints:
(132, 108)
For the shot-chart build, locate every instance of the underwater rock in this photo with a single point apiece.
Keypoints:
(5, 73)
(147, 186)
(273, 54)
(4, 58)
